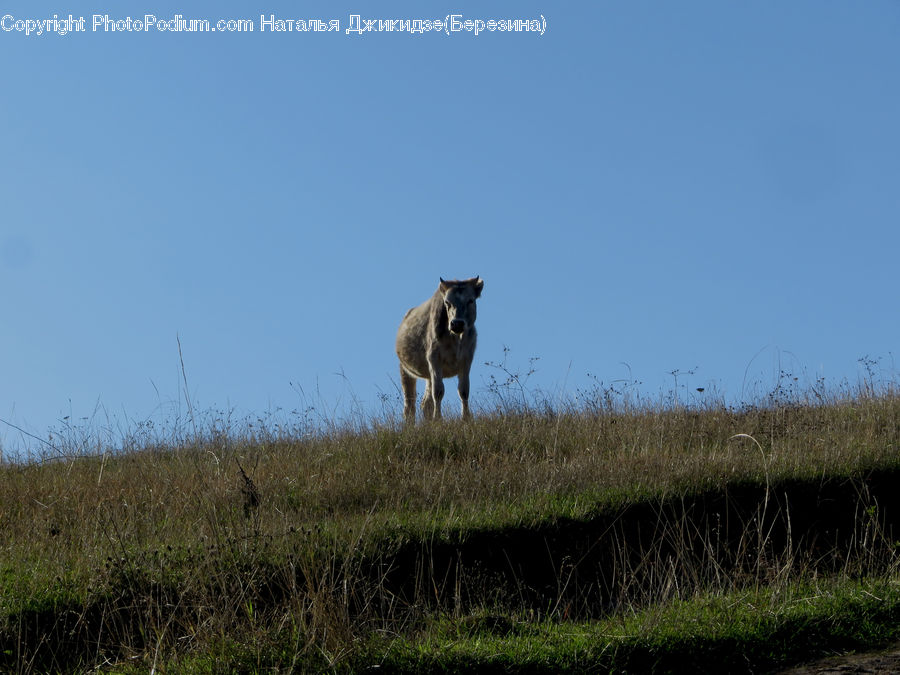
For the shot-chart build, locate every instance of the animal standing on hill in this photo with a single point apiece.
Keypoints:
(437, 340)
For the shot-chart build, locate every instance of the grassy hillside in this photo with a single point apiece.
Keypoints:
(621, 538)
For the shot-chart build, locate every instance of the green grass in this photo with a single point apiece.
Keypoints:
(582, 539)
(734, 633)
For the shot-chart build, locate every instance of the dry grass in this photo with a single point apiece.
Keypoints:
(501, 469)
(284, 542)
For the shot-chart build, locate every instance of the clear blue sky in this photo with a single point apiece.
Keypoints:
(671, 185)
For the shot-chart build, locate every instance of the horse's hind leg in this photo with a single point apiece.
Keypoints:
(408, 382)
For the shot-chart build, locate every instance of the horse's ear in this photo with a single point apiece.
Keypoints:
(445, 285)
(478, 283)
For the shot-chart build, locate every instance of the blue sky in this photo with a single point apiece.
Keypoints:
(667, 185)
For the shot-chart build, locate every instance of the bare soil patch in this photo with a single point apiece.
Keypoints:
(884, 662)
